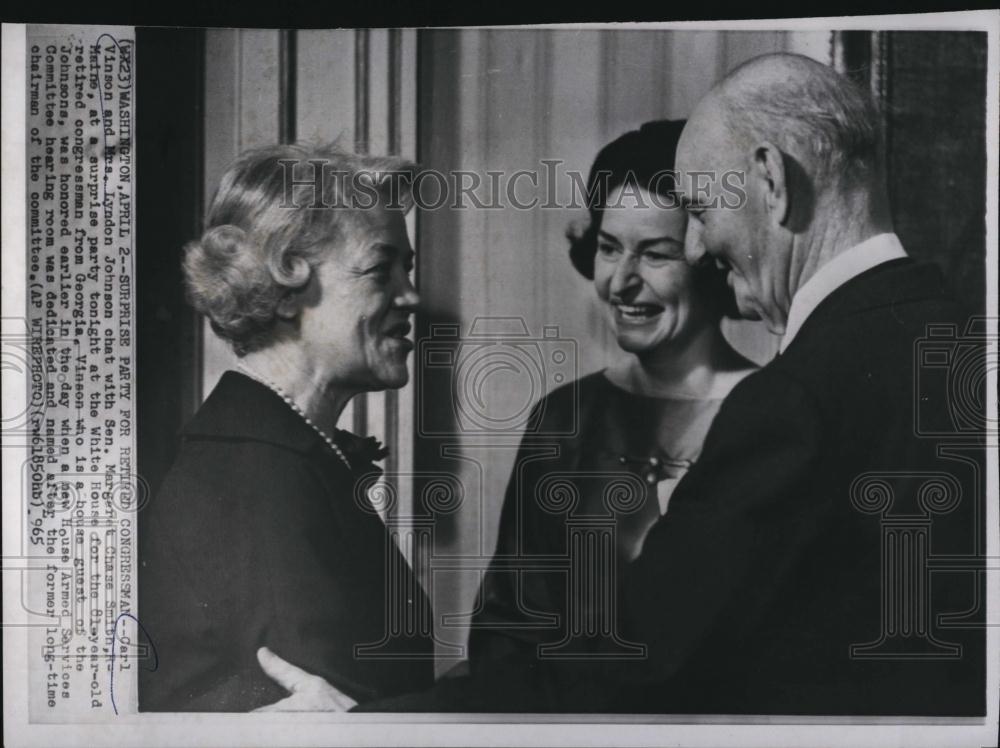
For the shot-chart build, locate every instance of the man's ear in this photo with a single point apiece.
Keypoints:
(769, 167)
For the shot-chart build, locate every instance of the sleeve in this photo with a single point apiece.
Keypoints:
(199, 569)
(246, 558)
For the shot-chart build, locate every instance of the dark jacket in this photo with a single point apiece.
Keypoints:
(794, 572)
(258, 537)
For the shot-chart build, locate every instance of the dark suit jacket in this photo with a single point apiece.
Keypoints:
(752, 589)
(257, 538)
(777, 554)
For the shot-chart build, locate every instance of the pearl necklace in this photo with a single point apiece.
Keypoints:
(295, 406)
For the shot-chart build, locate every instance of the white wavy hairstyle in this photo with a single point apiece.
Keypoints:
(277, 213)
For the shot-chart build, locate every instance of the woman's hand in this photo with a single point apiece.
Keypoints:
(310, 693)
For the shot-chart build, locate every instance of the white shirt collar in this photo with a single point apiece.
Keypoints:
(835, 273)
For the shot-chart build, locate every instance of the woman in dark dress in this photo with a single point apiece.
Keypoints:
(259, 535)
(640, 424)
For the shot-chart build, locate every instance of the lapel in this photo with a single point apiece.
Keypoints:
(242, 408)
(894, 282)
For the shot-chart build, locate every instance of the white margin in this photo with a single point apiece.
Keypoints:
(308, 729)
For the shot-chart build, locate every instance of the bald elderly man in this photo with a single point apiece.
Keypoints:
(779, 582)
(771, 564)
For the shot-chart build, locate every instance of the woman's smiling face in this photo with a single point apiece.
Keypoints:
(640, 272)
(357, 329)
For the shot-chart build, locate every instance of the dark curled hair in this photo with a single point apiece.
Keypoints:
(642, 159)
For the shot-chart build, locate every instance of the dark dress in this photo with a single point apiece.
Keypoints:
(258, 537)
(576, 511)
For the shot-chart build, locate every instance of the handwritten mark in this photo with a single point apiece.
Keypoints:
(114, 639)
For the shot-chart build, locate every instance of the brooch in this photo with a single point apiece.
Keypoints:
(364, 449)
(654, 469)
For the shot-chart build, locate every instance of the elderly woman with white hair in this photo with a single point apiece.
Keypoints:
(258, 536)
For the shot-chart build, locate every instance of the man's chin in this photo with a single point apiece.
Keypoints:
(387, 378)
(747, 309)
(395, 381)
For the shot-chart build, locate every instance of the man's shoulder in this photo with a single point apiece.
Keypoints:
(870, 327)
(884, 306)
(773, 392)
(858, 356)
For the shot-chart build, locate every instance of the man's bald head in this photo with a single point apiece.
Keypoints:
(804, 143)
(814, 114)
